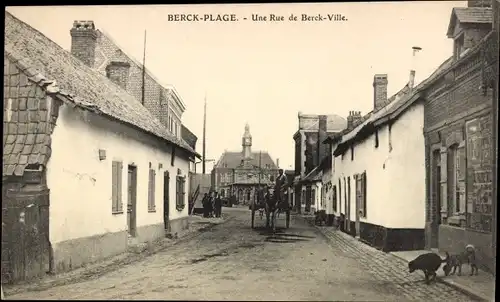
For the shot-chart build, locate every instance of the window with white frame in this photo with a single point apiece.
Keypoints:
(453, 160)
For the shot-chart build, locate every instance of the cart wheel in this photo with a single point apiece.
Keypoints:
(253, 216)
(287, 219)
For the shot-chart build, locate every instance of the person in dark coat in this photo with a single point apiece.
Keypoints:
(205, 202)
(218, 206)
(278, 188)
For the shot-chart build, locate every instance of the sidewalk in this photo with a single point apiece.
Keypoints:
(481, 286)
(197, 225)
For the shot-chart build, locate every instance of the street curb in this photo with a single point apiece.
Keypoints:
(461, 288)
(127, 260)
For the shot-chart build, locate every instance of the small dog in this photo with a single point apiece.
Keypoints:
(429, 263)
(456, 261)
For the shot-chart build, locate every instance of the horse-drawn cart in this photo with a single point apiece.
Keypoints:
(272, 207)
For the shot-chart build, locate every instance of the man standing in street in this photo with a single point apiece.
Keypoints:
(218, 206)
(278, 188)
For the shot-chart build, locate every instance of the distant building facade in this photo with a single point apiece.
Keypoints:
(240, 174)
(310, 150)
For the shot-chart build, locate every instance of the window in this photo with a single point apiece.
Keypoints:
(334, 196)
(459, 46)
(180, 193)
(222, 193)
(116, 181)
(172, 159)
(390, 138)
(340, 192)
(362, 194)
(376, 139)
(152, 191)
(454, 206)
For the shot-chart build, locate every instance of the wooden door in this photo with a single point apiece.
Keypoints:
(348, 209)
(359, 196)
(166, 199)
(132, 200)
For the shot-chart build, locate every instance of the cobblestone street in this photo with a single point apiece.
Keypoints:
(233, 262)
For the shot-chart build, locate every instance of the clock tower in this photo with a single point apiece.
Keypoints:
(246, 142)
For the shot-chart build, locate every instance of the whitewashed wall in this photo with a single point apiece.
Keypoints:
(81, 184)
(395, 195)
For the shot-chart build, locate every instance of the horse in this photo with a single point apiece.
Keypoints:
(274, 205)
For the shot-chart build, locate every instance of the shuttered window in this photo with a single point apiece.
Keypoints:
(180, 193)
(116, 182)
(363, 194)
(152, 190)
(334, 196)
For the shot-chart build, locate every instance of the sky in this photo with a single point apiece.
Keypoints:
(264, 72)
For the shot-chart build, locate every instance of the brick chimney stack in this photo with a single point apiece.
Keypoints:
(117, 71)
(353, 119)
(479, 3)
(83, 41)
(379, 91)
(322, 135)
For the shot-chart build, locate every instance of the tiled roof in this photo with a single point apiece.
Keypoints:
(76, 83)
(232, 160)
(399, 100)
(469, 15)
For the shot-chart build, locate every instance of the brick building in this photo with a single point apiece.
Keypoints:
(240, 174)
(87, 170)
(100, 52)
(458, 138)
(310, 150)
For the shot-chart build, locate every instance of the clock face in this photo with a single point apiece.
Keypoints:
(247, 140)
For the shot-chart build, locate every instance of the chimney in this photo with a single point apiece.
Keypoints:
(118, 73)
(83, 41)
(278, 163)
(379, 91)
(322, 133)
(414, 66)
(353, 119)
(479, 3)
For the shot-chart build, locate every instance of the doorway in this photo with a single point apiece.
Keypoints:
(166, 200)
(359, 196)
(436, 198)
(132, 201)
(348, 209)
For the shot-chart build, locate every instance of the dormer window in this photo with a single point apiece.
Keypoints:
(459, 45)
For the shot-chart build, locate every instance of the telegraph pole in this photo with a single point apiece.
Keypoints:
(144, 71)
(204, 134)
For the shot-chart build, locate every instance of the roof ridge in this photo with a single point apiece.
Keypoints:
(26, 62)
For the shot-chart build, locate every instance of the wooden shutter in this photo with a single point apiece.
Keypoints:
(151, 190)
(114, 186)
(119, 177)
(363, 192)
(444, 180)
(461, 176)
(116, 183)
(183, 192)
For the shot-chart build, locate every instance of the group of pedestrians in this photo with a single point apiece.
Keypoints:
(212, 205)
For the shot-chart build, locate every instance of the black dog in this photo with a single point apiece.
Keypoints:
(456, 261)
(429, 263)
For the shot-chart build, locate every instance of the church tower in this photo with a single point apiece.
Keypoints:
(246, 142)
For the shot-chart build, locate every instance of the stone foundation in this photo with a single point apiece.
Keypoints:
(178, 226)
(71, 254)
(454, 239)
(150, 233)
